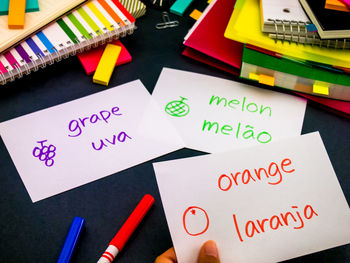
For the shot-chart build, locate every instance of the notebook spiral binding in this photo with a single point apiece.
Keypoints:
(296, 31)
(71, 50)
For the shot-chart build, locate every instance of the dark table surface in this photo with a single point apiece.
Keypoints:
(35, 232)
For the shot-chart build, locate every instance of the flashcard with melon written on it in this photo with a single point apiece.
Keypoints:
(215, 115)
(68, 145)
(266, 203)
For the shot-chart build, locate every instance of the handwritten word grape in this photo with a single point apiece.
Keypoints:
(76, 126)
(45, 153)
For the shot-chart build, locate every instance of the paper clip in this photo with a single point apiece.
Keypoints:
(166, 22)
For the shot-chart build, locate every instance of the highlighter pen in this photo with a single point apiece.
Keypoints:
(118, 242)
(71, 240)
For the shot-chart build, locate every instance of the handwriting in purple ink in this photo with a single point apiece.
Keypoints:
(45, 153)
(77, 126)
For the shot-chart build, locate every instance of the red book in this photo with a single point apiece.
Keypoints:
(207, 35)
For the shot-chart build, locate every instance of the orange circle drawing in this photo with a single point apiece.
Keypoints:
(184, 220)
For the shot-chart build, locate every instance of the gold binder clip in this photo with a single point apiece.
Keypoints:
(166, 22)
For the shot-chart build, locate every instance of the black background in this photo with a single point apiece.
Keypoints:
(35, 232)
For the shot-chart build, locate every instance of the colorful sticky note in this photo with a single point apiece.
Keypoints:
(180, 6)
(227, 115)
(267, 80)
(209, 1)
(254, 76)
(90, 59)
(87, 139)
(31, 6)
(339, 5)
(320, 87)
(106, 65)
(16, 14)
(311, 28)
(196, 14)
(265, 203)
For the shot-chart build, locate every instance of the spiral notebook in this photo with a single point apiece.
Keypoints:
(287, 21)
(94, 23)
(49, 11)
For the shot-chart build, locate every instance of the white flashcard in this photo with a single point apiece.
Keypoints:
(261, 204)
(216, 115)
(68, 145)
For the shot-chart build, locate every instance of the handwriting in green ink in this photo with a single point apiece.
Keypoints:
(177, 108)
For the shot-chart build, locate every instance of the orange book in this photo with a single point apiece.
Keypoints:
(336, 5)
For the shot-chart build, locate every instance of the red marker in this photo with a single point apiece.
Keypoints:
(118, 242)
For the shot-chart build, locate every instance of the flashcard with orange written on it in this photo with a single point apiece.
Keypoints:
(261, 204)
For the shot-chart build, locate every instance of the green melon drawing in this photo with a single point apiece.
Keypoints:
(177, 108)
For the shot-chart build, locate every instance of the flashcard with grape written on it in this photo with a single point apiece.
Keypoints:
(261, 204)
(216, 115)
(68, 145)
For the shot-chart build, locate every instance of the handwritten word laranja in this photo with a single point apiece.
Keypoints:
(292, 218)
(273, 174)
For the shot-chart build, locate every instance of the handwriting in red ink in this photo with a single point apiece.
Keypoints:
(273, 174)
(292, 218)
(195, 221)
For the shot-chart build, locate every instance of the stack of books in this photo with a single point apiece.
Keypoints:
(300, 46)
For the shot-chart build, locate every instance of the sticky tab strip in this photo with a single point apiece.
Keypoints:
(320, 87)
(106, 65)
(267, 80)
(180, 6)
(311, 28)
(17, 10)
(196, 14)
(254, 76)
(31, 6)
(209, 1)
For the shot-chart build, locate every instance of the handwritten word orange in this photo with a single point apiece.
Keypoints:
(273, 174)
(289, 219)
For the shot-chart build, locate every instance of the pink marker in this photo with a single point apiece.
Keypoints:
(118, 242)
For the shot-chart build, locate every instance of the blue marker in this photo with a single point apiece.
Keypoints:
(71, 240)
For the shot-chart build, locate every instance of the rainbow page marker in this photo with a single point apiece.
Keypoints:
(17, 9)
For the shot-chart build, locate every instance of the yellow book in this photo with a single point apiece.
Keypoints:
(49, 11)
(245, 26)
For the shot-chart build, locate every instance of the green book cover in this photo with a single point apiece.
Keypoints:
(295, 68)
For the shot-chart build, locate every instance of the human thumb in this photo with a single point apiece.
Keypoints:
(208, 253)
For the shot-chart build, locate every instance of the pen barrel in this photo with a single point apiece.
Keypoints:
(109, 255)
(132, 222)
(71, 240)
